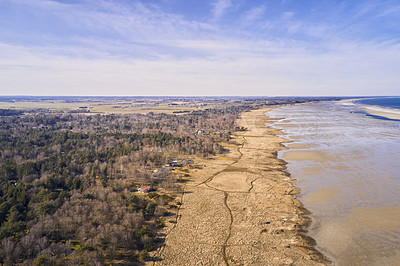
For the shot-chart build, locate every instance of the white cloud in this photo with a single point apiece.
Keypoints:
(220, 7)
(347, 70)
(287, 15)
(139, 22)
(376, 9)
(142, 50)
(254, 13)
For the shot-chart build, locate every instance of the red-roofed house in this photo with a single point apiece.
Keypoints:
(145, 189)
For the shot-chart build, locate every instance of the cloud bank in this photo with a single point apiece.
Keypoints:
(121, 48)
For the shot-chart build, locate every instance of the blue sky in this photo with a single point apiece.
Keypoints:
(207, 47)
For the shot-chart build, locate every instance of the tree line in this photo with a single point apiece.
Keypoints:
(64, 180)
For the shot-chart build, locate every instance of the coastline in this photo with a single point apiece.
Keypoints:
(373, 110)
(382, 112)
(346, 164)
(241, 208)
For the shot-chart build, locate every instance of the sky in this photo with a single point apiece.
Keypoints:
(200, 47)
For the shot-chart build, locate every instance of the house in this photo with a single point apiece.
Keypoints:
(132, 189)
(145, 189)
(174, 163)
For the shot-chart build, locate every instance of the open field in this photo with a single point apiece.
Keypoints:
(109, 106)
(139, 104)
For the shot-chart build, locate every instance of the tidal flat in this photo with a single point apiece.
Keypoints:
(346, 164)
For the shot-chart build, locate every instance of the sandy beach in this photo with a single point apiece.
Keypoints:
(373, 110)
(240, 208)
(388, 113)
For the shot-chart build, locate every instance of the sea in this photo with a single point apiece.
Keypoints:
(346, 161)
(384, 102)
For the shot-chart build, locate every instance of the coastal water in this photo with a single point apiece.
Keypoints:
(385, 102)
(348, 168)
(387, 108)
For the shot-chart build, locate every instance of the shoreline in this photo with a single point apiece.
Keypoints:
(309, 244)
(380, 111)
(373, 110)
(345, 163)
(241, 207)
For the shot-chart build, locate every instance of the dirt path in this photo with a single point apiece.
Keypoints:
(240, 209)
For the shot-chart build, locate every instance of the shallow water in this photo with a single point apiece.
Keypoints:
(348, 169)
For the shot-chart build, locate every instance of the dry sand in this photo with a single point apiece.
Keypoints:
(388, 113)
(241, 209)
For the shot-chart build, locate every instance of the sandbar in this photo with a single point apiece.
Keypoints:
(378, 111)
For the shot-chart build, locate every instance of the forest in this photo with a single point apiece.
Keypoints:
(66, 179)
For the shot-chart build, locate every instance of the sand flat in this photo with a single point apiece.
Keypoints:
(364, 223)
(297, 146)
(302, 155)
(322, 196)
